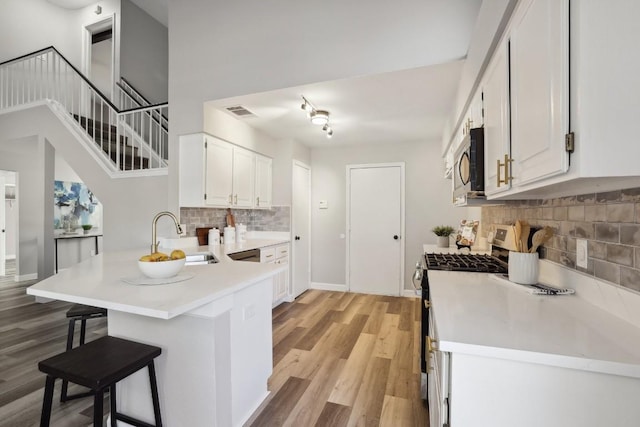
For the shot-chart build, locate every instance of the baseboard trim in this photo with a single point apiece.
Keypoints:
(412, 293)
(25, 277)
(328, 287)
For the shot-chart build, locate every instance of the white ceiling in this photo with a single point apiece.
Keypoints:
(402, 106)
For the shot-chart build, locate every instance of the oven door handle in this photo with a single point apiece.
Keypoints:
(417, 277)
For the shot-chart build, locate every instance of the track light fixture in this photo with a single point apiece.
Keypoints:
(317, 117)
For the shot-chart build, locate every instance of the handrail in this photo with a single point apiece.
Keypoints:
(82, 76)
(132, 139)
(133, 89)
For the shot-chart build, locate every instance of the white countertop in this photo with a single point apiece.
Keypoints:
(97, 281)
(478, 314)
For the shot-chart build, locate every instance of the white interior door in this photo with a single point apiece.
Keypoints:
(375, 221)
(3, 233)
(301, 247)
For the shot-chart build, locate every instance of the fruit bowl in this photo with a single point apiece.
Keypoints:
(161, 269)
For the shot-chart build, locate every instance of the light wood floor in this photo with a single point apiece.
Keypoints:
(340, 359)
(344, 359)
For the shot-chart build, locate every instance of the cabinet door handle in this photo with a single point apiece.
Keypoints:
(230, 199)
(257, 201)
(235, 202)
(268, 256)
(507, 174)
(430, 344)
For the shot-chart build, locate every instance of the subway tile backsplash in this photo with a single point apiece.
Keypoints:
(277, 218)
(610, 222)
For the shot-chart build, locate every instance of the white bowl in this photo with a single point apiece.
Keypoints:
(161, 269)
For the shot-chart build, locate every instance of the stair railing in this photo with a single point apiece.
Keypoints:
(156, 124)
(119, 139)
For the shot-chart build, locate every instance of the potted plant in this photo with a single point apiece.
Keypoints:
(443, 232)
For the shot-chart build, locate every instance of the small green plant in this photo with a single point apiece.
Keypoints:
(86, 227)
(443, 230)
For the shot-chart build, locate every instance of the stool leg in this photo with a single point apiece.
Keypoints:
(112, 401)
(83, 329)
(45, 417)
(98, 398)
(65, 383)
(154, 394)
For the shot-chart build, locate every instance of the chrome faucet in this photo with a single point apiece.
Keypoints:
(154, 224)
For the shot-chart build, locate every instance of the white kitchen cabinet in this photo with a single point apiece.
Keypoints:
(539, 80)
(243, 178)
(215, 173)
(278, 255)
(566, 79)
(495, 92)
(264, 181)
(437, 379)
(218, 172)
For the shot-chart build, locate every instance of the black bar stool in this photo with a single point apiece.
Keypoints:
(99, 365)
(82, 313)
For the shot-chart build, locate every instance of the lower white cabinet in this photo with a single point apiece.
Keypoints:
(482, 390)
(278, 255)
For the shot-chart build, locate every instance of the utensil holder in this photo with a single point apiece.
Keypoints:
(523, 268)
(443, 241)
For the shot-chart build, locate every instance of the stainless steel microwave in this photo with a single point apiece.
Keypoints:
(468, 169)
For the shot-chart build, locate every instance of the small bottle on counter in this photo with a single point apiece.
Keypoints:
(229, 235)
(241, 232)
(214, 237)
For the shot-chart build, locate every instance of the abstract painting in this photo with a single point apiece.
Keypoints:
(75, 205)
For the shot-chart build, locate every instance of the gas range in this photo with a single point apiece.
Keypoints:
(465, 262)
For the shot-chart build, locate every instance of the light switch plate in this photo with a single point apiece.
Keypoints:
(582, 253)
(324, 204)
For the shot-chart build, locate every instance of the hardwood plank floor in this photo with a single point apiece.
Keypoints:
(344, 359)
(30, 332)
(340, 359)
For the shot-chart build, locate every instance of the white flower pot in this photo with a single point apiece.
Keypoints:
(443, 241)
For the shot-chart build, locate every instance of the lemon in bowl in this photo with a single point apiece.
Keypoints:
(162, 266)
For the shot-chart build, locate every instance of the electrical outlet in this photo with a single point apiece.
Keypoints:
(582, 253)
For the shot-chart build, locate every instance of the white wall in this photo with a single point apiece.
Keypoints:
(428, 203)
(223, 49)
(144, 53)
(129, 203)
(30, 25)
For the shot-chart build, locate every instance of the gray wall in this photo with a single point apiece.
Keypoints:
(144, 53)
(428, 203)
(30, 157)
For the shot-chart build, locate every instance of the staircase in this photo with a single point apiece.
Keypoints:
(125, 141)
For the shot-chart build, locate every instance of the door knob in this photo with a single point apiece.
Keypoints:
(297, 237)
(396, 237)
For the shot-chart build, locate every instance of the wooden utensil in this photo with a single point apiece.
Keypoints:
(231, 222)
(524, 237)
(540, 237)
(517, 235)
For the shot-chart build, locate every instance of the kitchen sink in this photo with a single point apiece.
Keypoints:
(201, 258)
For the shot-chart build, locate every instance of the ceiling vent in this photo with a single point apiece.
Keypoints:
(240, 111)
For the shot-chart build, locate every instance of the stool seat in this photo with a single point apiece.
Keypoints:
(99, 366)
(81, 310)
(101, 362)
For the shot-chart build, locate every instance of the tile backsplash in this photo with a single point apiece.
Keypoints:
(610, 222)
(277, 218)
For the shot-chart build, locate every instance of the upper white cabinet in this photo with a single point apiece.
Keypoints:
(243, 178)
(264, 171)
(215, 173)
(219, 168)
(495, 90)
(539, 80)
